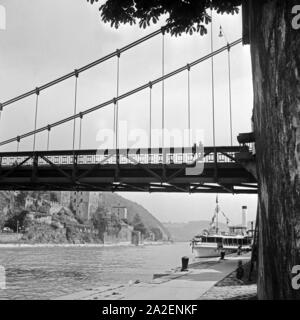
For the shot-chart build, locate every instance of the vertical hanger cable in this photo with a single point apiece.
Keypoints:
(80, 131)
(163, 95)
(37, 91)
(48, 137)
(189, 104)
(150, 115)
(230, 94)
(75, 106)
(213, 82)
(116, 103)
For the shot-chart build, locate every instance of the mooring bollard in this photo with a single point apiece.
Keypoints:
(222, 255)
(184, 263)
(240, 270)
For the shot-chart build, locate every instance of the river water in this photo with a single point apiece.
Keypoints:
(49, 272)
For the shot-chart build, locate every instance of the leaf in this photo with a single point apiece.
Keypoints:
(182, 15)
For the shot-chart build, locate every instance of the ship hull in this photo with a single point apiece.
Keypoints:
(205, 252)
(209, 251)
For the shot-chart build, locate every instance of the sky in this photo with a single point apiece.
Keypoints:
(45, 39)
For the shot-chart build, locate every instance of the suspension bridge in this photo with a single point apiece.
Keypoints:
(225, 169)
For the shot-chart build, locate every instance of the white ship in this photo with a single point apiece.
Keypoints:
(211, 242)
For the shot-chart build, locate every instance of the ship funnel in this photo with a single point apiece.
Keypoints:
(244, 216)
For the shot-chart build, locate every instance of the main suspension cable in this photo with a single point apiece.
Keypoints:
(125, 95)
(82, 69)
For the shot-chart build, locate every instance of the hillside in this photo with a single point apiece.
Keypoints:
(186, 231)
(133, 208)
(37, 232)
(4, 197)
(4, 200)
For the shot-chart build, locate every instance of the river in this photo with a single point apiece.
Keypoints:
(49, 272)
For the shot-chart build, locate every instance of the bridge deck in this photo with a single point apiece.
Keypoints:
(143, 170)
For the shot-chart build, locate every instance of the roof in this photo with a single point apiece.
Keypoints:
(222, 236)
(238, 227)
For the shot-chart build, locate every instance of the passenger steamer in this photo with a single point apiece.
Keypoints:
(211, 242)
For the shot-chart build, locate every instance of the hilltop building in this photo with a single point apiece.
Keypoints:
(120, 212)
(83, 203)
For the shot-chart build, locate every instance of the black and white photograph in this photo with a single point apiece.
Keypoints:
(149, 151)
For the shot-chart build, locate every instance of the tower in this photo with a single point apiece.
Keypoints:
(244, 216)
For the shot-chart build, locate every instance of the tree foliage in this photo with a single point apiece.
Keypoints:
(17, 219)
(53, 196)
(99, 220)
(187, 16)
(116, 224)
(157, 232)
(20, 199)
(138, 225)
(2, 221)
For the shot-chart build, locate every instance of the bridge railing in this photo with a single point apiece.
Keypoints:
(103, 159)
(183, 156)
(221, 158)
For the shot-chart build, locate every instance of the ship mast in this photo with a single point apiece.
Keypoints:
(217, 215)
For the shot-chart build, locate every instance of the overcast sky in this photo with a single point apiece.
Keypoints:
(45, 39)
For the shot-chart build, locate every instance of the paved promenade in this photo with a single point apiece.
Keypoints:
(191, 284)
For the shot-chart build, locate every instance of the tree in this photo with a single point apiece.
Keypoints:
(2, 220)
(116, 224)
(20, 198)
(136, 219)
(53, 197)
(182, 16)
(276, 78)
(99, 221)
(138, 225)
(16, 220)
(157, 232)
(276, 81)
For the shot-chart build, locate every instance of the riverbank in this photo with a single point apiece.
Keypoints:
(49, 272)
(79, 245)
(193, 284)
(231, 288)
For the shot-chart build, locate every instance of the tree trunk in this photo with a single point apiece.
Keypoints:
(275, 47)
